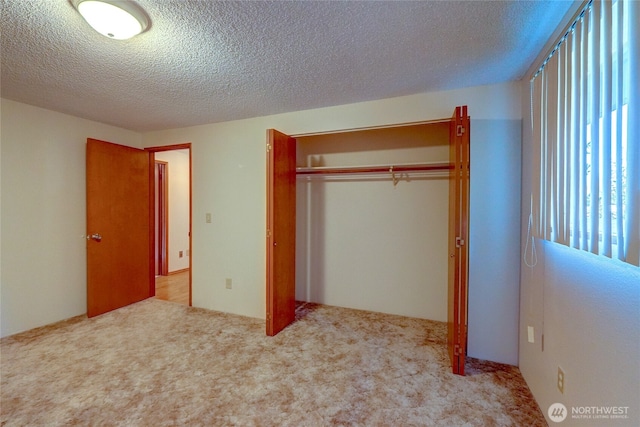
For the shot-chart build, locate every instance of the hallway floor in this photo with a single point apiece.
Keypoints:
(174, 287)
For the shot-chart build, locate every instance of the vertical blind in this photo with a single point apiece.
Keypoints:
(585, 123)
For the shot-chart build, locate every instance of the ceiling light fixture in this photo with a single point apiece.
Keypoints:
(116, 19)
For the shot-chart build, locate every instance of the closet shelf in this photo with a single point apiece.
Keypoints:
(375, 168)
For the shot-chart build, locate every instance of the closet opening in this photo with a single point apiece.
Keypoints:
(371, 215)
(365, 219)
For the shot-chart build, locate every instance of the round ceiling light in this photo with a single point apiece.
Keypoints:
(116, 19)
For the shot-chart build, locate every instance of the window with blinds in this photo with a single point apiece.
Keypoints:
(585, 123)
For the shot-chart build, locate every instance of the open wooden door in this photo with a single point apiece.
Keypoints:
(119, 233)
(458, 239)
(281, 231)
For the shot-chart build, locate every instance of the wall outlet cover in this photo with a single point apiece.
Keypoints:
(560, 380)
(530, 334)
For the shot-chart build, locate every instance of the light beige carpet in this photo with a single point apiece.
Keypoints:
(157, 363)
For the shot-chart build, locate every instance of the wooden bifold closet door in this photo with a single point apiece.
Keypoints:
(281, 231)
(458, 239)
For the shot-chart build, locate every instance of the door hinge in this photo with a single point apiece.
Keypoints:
(268, 233)
(268, 316)
(268, 147)
(459, 242)
(456, 350)
(460, 130)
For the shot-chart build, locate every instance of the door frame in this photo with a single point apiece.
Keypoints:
(174, 147)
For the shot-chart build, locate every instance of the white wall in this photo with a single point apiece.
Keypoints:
(229, 167)
(43, 213)
(178, 206)
(363, 242)
(494, 273)
(588, 308)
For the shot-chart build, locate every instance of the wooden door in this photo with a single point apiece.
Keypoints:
(458, 239)
(281, 230)
(119, 232)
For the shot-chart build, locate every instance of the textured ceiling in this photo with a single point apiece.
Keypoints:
(209, 61)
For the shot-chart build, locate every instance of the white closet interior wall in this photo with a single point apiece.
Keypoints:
(365, 243)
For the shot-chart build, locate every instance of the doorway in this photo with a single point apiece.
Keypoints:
(171, 183)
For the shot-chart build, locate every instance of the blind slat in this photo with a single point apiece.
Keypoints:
(618, 142)
(584, 226)
(536, 107)
(552, 147)
(576, 113)
(594, 175)
(605, 141)
(561, 149)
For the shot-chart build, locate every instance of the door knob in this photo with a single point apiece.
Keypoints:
(95, 236)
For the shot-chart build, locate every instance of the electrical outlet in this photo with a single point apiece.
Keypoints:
(560, 380)
(530, 334)
(228, 283)
(180, 253)
(208, 218)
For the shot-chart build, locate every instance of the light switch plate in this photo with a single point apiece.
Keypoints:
(530, 334)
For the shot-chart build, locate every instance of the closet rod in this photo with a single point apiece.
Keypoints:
(375, 169)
